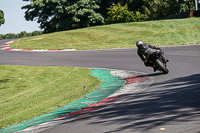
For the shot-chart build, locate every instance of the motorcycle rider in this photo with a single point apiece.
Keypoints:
(145, 50)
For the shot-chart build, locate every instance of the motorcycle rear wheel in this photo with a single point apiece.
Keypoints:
(162, 67)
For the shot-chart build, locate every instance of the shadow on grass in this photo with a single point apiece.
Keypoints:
(4, 80)
(176, 100)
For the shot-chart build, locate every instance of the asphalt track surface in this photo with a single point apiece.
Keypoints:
(170, 104)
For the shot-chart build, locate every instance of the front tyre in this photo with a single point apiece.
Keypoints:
(162, 67)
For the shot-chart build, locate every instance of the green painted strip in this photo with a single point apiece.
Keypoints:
(110, 85)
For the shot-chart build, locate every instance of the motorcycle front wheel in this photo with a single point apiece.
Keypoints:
(162, 67)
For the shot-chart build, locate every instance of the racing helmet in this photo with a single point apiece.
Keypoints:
(139, 43)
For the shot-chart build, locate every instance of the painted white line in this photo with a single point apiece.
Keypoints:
(68, 50)
(17, 49)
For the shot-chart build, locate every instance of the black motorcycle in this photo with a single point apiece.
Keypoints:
(159, 62)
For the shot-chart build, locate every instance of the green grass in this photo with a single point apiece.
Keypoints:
(124, 35)
(29, 91)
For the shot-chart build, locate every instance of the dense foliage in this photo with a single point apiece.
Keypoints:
(20, 35)
(156, 9)
(57, 15)
(153, 9)
(121, 14)
(2, 20)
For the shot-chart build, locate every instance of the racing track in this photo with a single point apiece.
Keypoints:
(171, 103)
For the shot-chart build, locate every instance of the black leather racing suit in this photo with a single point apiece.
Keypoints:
(145, 50)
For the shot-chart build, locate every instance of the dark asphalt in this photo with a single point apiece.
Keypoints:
(171, 102)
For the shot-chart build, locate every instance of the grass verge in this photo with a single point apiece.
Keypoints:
(29, 91)
(124, 35)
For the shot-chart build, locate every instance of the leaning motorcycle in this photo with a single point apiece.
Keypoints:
(158, 62)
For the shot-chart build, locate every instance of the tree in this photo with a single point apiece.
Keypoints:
(156, 9)
(58, 15)
(23, 34)
(2, 20)
(177, 6)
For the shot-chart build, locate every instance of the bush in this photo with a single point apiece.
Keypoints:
(36, 33)
(121, 14)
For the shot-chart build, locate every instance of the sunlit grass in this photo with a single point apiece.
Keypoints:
(124, 35)
(29, 91)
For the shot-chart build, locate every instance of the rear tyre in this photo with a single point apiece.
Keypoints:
(159, 64)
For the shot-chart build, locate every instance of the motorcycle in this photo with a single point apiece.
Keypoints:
(158, 62)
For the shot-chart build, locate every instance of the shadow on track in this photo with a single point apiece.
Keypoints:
(176, 100)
